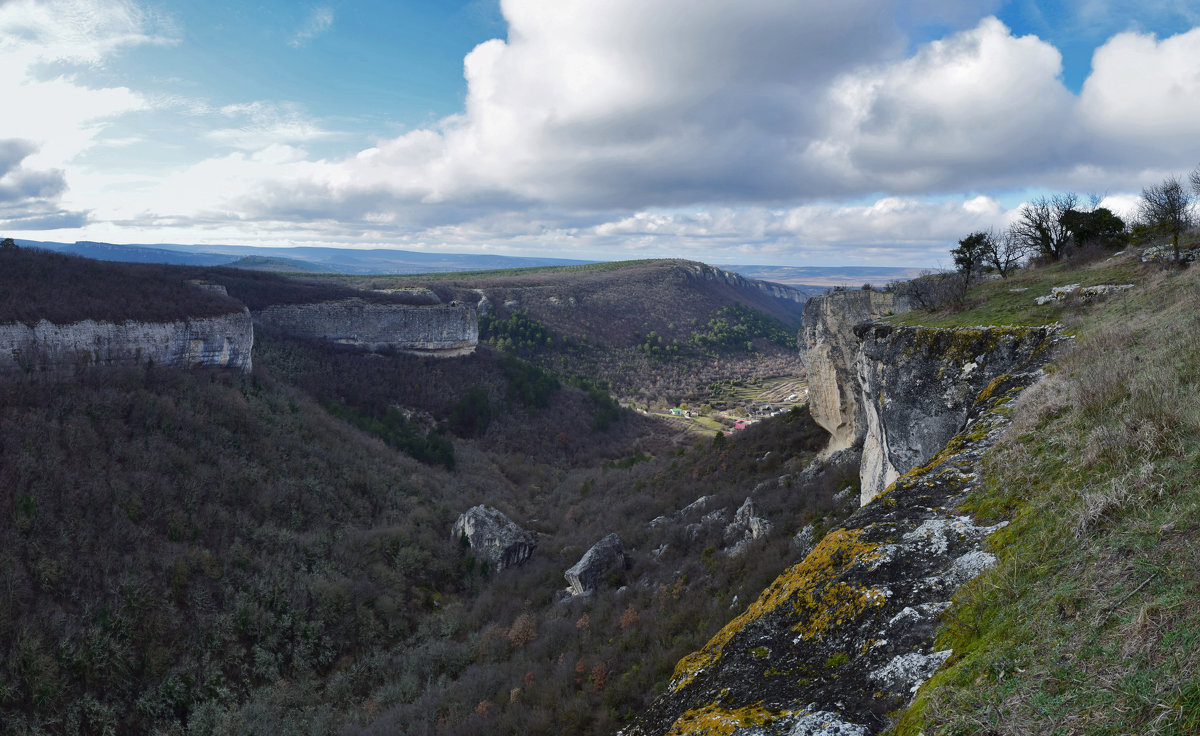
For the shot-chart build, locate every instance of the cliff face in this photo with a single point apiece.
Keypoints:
(916, 386)
(445, 330)
(225, 340)
(779, 291)
(829, 352)
(846, 636)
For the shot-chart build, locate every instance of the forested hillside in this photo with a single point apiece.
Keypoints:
(651, 332)
(211, 552)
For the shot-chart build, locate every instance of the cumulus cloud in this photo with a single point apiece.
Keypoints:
(50, 116)
(977, 109)
(632, 105)
(639, 126)
(18, 184)
(1142, 100)
(28, 197)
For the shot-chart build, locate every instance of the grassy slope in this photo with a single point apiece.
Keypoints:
(1089, 624)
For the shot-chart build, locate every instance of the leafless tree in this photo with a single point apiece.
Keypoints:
(1003, 251)
(1039, 228)
(931, 289)
(1167, 208)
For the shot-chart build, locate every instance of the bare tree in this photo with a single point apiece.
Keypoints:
(930, 290)
(1003, 251)
(1039, 227)
(1167, 208)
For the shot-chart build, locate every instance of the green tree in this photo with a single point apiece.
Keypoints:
(971, 255)
(8, 244)
(1100, 226)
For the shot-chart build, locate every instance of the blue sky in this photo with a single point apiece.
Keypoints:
(869, 132)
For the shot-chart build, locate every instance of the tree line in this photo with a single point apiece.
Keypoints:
(1060, 226)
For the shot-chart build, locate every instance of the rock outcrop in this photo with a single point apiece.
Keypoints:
(1061, 293)
(494, 537)
(442, 330)
(916, 386)
(588, 574)
(224, 341)
(845, 637)
(748, 524)
(829, 350)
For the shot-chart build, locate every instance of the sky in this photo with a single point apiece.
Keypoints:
(775, 132)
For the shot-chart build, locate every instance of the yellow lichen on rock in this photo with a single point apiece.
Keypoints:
(834, 605)
(714, 720)
(836, 552)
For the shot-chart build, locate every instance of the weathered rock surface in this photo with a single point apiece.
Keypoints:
(588, 574)
(494, 537)
(224, 340)
(1060, 293)
(846, 636)
(917, 385)
(748, 524)
(443, 329)
(828, 351)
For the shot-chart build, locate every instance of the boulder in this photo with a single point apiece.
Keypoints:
(494, 537)
(747, 525)
(587, 574)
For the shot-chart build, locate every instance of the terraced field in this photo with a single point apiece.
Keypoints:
(739, 400)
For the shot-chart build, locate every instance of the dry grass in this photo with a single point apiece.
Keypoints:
(1090, 623)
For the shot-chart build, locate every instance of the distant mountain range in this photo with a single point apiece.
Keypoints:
(305, 259)
(816, 279)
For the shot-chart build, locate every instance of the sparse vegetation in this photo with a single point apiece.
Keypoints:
(1088, 623)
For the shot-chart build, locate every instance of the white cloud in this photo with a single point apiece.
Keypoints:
(51, 115)
(651, 127)
(630, 105)
(319, 21)
(265, 124)
(890, 230)
(976, 109)
(71, 31)
(54, 109)
(1142, 100)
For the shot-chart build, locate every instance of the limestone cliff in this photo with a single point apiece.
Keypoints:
(916, 386)
(444, 329)
(44, 347)
(712, 273)
(829, 351)
(845, 637)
